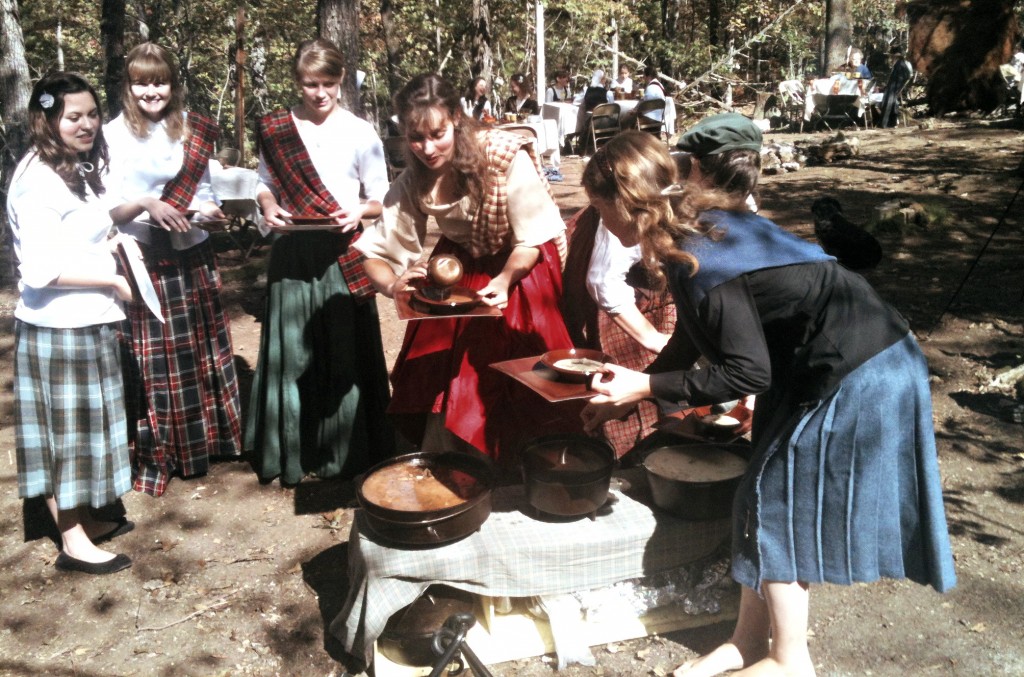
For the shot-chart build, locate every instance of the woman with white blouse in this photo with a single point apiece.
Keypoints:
(72, 435)
(183, 385)
(320, 389)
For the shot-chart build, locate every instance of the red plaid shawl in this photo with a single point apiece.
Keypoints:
(203, 134)
(302, 191)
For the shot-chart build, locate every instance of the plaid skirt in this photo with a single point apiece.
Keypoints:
(847, 490)
(181, 384)
(660, 311)
(71, 432)
(320, 390)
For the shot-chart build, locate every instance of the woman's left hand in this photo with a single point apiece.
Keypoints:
(618, 391)
(348, 218)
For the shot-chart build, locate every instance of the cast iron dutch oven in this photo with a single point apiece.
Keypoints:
(407, 636)
(567, 475)
(696, 481)
(427, 498)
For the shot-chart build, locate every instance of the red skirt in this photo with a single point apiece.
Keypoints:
(444, 363)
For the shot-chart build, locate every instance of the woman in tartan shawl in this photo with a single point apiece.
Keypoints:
(183, 393)
(486, 191)
(320, 389)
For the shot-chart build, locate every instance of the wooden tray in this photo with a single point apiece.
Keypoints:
(547, 383)
(408, 309)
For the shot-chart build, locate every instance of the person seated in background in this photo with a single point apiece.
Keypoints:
(855, 64)
(899, 76)
(596, 93)
(623, 83)
(475, 103)
(520, 102)
(559, 91)
(653, 89)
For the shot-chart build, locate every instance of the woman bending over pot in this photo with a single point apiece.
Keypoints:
(843, 485)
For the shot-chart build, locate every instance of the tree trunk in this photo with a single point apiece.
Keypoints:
(112, 20)
(959, 46)
(838, 34)
(714, 22)
(338, 21)
(15, 88)
(482, 64)
(387, 21)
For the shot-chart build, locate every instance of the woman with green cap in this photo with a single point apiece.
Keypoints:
(843, 483)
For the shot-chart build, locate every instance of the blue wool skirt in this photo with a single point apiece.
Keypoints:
(847, 490)
(71, 430)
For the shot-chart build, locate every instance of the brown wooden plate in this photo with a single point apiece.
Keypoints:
(458, 299)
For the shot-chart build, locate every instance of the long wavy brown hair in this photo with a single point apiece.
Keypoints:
(635, 173)
(421, 104)
(44, 127)
(146, 64)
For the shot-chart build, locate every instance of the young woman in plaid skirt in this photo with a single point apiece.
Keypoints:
(182, 388)
(486, 191)
(320, 388)
(72, 436)
(843, 482)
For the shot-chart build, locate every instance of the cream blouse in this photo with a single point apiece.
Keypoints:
(398, 236)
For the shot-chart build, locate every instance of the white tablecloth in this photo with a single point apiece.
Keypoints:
(564, 117)
(820, 89)
(237, 183)
(549, 140)
(517, 556)
(626, 105)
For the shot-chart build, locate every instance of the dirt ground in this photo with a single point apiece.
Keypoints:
(232, 577)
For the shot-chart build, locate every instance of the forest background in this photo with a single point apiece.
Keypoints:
(725, 41)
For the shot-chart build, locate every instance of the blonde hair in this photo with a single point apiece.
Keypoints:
(145, 64)
(318, 57)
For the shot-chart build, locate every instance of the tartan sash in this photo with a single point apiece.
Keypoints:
(303, 192)
(491, 231)
(203, 134)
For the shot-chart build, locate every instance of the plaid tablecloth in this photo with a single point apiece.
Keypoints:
(517, 556)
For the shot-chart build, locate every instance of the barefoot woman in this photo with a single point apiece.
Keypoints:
(843, 485)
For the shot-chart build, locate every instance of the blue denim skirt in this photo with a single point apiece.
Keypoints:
(847, 490)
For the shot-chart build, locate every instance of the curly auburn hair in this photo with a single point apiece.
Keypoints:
(429, 99)
(636, 175)
(44, 128)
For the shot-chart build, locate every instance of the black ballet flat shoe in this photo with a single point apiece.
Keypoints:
(122, 528)
(66, 562)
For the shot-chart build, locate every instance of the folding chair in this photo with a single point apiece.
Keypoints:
(645, 122)
(604, 123)
(394, 155)
(792, 103)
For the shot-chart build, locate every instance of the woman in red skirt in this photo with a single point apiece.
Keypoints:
(486, 191)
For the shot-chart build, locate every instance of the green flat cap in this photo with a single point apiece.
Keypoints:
(720, 133)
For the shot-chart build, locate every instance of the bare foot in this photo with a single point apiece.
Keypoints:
(770, 667)
(724, 658)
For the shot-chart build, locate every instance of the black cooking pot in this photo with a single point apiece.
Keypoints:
(427, 498)
(695, 481)
(567, 475)
(409, 632)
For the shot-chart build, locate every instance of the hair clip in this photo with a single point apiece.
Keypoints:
(672, 189)
(46, 100)
(604, 165)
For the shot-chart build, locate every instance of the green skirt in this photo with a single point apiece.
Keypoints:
(320, 390)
